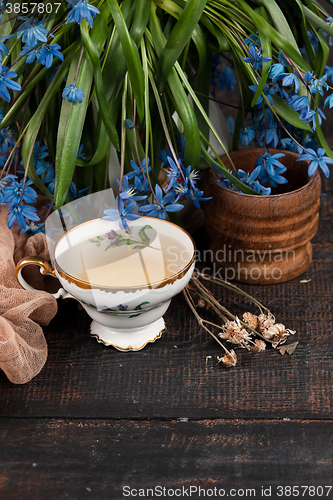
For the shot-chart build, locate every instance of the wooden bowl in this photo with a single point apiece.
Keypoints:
(262, 239)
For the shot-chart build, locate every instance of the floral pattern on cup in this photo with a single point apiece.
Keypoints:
(119, 238)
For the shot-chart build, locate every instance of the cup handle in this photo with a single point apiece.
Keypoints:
(45, 268)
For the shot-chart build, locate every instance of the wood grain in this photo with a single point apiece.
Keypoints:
(171, 379)
(96, 419)
(95, 459)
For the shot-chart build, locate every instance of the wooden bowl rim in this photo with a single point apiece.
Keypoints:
(312, 181)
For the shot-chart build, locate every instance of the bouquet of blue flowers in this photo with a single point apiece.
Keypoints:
(77, 77)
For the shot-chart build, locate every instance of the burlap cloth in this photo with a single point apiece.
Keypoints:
(23, 348)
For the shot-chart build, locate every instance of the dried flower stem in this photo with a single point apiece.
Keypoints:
(217, 307)
(200, 320)
(235, 288)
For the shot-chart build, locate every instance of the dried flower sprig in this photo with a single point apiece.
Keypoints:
(242, 333)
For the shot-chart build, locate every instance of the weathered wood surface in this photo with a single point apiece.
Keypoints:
(57, 459)
(171, 379)
(96, 419)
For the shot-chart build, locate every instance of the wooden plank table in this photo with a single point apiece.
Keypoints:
(97, 423)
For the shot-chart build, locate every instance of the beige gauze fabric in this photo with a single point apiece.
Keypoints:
(23, 348)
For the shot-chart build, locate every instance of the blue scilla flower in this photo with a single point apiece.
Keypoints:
(255, 57)
(73, 94)
(291, 79)
(47, 172)
(319, 85)
(81, 9)
(271, 169)
(5, 81)
(227, 79)
(329, 72)
(164, 155)
(308, 77)
(16, 190)
(329, 101)
(48, 53)
(191, 176)
(282, 59)
(141, 185)
(308, 142)
(32, 31)
(3, 49)
(267, 92)
(313, 40)
(140, 173)
(231, 124)
(298, 102)
(39, 153)
(21, 214)
(252, 40)
(74, 194)
(128, 192)
(31, 53)
(308, 115)
(7, 139)
(162, 206)
(4, 183)
(80, 154)
(266, 191)
(174, 172)
(276, 71)
(271, 135)
(196, 196)
(329, 21)
(129, 124)
(32, 228)
(250, 179)
(289, 144)
(320, 115)
(246, 135)
(122, 213)
(317, 159)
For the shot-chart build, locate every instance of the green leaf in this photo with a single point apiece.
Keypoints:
(317, 21)
(180, 99)
(143, 235)
(276, 36)
(178, 38)
(131, 54)
(103, 105)
(266, 52)
(140, 246)
(140, 305)
(36, 121)
(321, 139)
(280, 22)
(288, 114)
(245, 189)
(72, 115)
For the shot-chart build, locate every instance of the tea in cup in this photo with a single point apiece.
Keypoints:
(125, 280)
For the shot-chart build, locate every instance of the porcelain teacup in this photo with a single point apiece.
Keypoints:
(126, 295)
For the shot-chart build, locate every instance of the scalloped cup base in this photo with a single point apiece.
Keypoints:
(128, 339)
